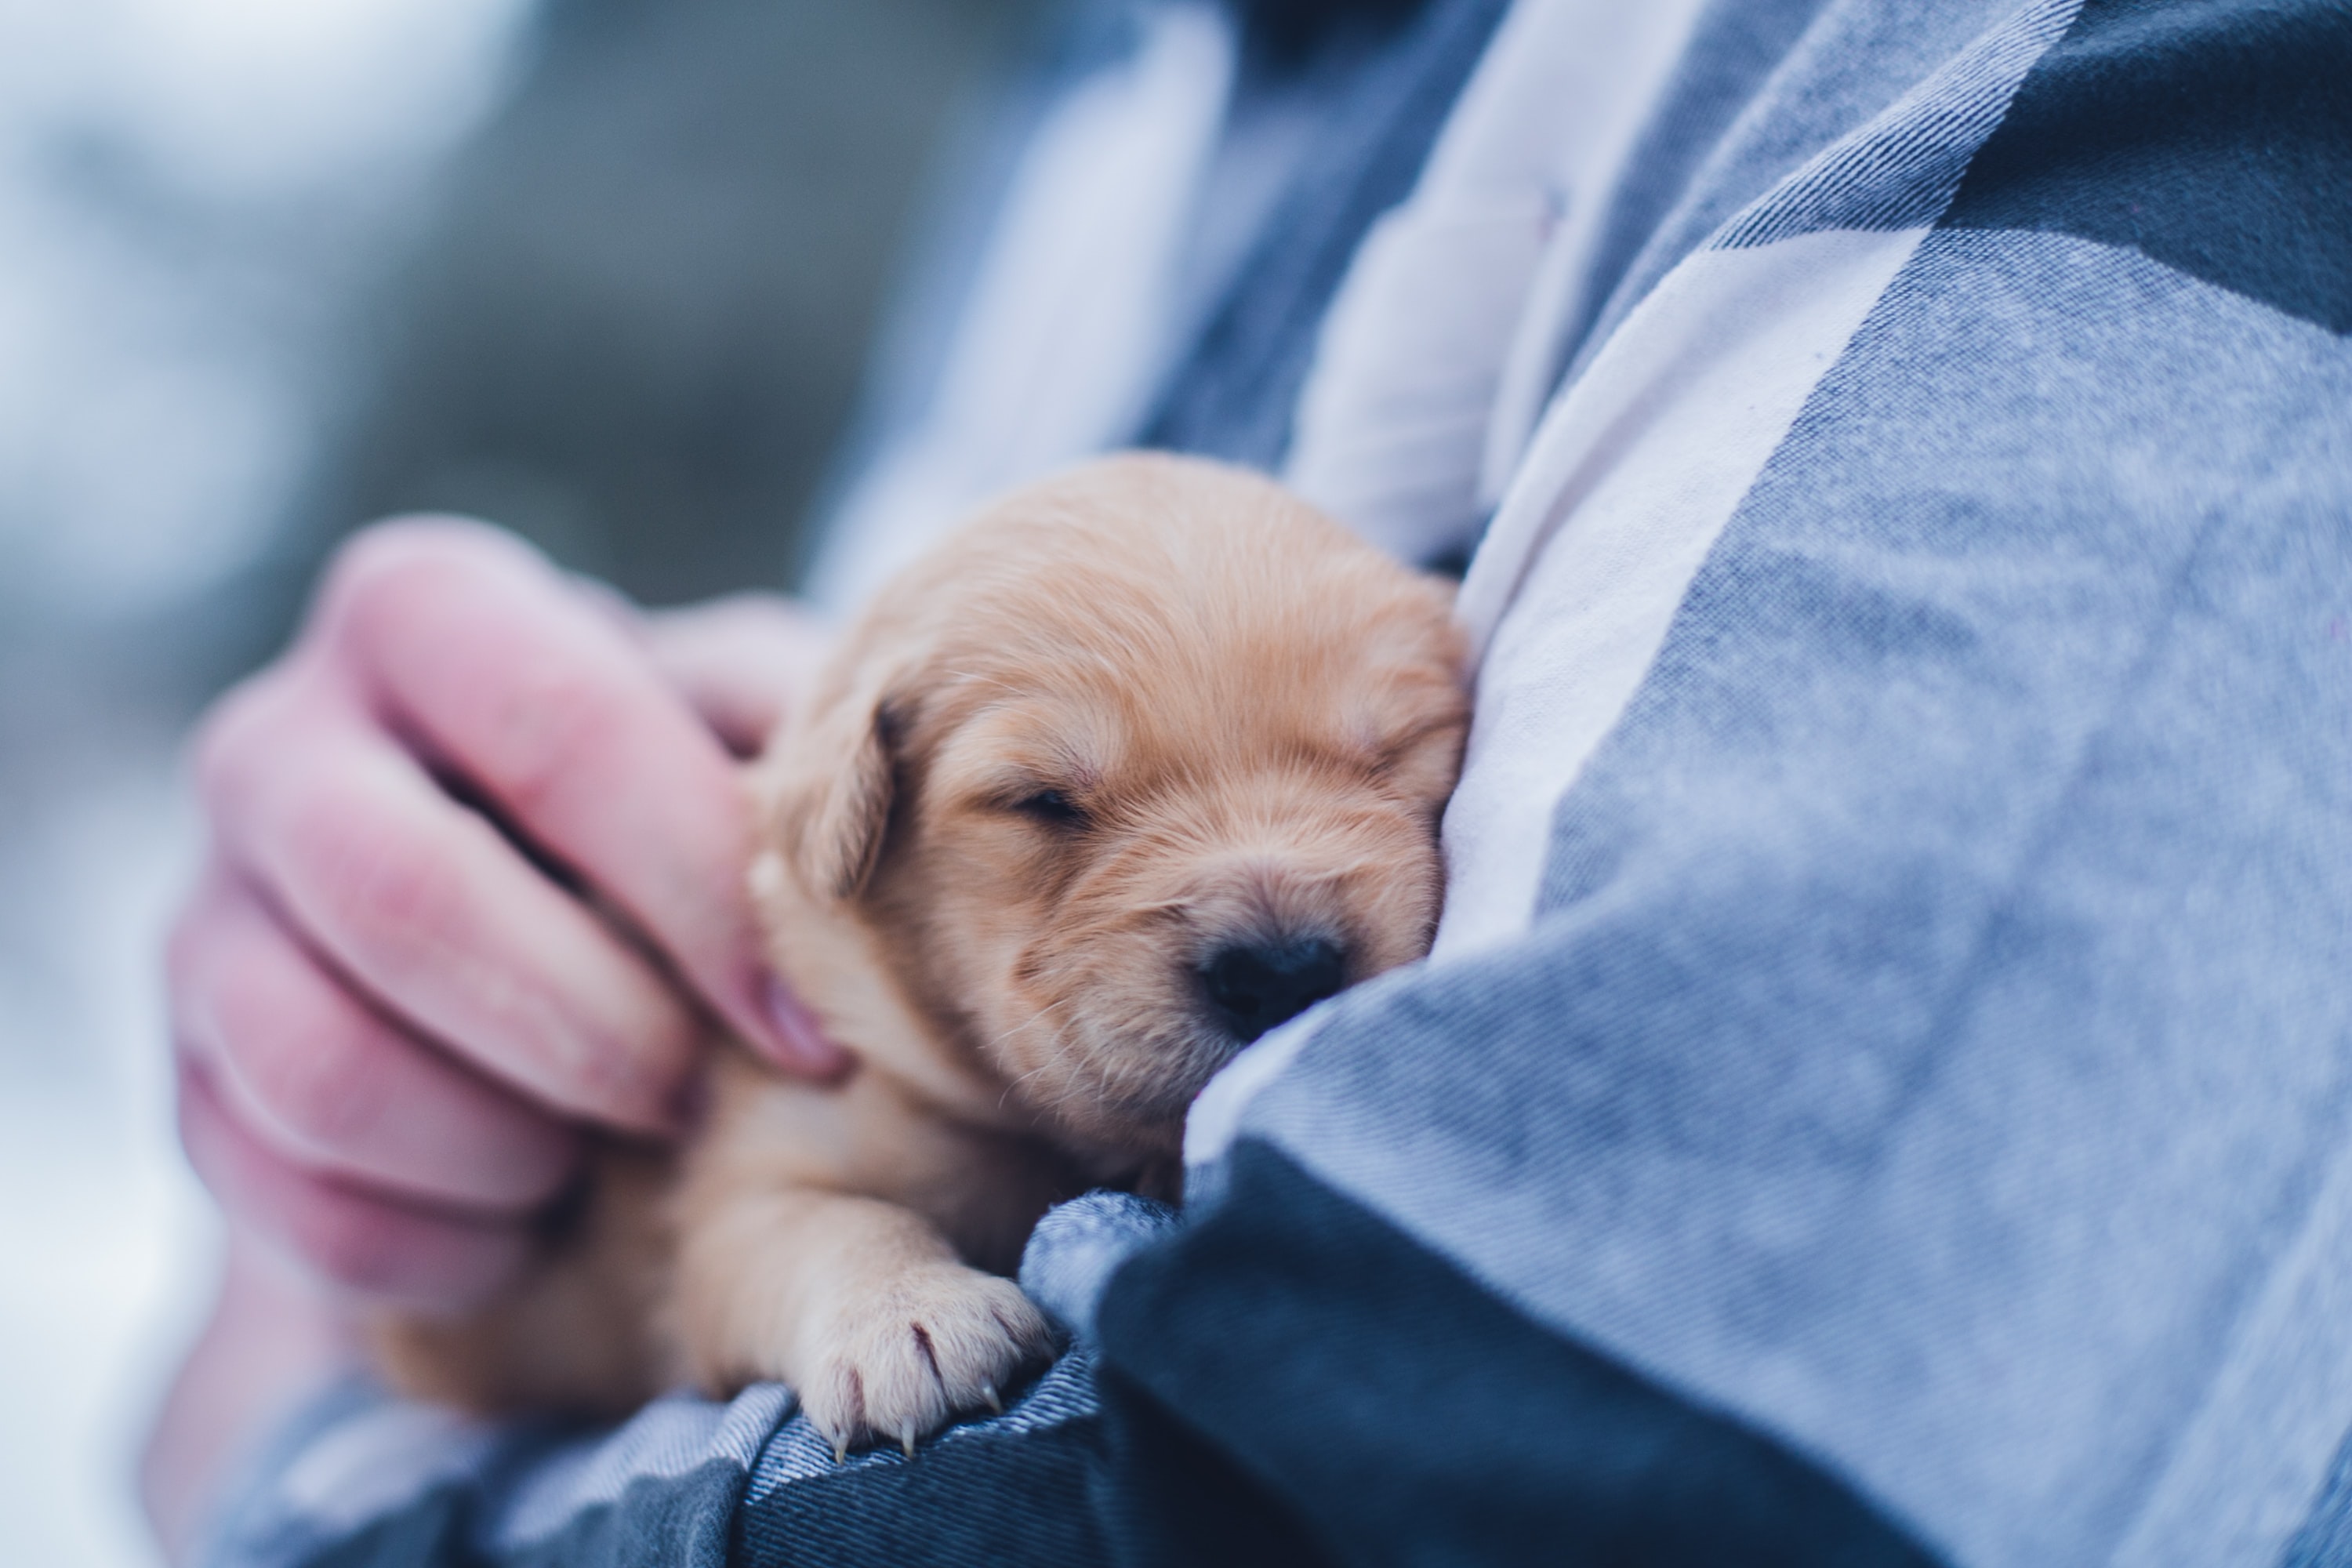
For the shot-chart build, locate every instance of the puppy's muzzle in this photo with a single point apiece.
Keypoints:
(1252, 985)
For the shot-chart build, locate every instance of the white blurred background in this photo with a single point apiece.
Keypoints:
(604, 270)
(193, 193)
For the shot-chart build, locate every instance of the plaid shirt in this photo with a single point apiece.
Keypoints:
(1880, 1094)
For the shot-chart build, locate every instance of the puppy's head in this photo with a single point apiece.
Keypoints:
(1145, 761)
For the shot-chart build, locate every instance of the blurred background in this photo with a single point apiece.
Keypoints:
(604, 270)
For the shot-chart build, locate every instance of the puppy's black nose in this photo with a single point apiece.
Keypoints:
(1253, 986)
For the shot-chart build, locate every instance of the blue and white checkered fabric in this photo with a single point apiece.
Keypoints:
(1881, 1092)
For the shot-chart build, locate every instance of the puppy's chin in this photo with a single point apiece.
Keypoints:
(1118, 1080)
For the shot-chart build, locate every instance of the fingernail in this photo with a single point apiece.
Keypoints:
(801, 1043)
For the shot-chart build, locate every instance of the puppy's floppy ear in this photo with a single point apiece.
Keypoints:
(829, 785)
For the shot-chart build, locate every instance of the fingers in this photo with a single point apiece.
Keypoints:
(425, 906)
(330, 1086)
(513, 678)
(385, 999)
(390, 1251)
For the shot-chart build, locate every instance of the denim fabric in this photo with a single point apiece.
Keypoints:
(1078, 1246)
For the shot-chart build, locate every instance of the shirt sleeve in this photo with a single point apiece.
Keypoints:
(363, 1477)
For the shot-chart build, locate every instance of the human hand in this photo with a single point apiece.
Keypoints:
(390, 1017)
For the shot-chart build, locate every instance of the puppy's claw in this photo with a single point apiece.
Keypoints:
(840, 1451)
(907, 1357)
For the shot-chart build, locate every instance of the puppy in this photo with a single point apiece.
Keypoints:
(1143, 763)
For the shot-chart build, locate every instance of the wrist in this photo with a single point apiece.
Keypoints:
(273, 1340)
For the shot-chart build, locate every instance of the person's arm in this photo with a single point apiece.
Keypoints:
(274, 1338)
(388, 1014)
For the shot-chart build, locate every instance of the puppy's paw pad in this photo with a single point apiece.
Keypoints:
(902, 1362)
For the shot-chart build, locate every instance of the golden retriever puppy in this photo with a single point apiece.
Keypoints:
(1143, 763)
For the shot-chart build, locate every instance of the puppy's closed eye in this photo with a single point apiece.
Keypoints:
(1052, 808)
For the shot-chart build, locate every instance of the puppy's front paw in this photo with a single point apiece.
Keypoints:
(901, 1361)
